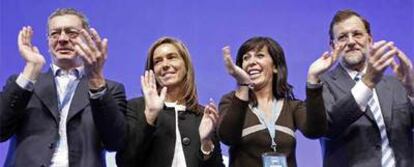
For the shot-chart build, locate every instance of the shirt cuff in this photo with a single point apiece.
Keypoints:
(314, 86)
(411, 99)
(25, 83)
(97, 95)
(362, 93)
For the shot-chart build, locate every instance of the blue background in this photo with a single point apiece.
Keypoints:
(131, 26)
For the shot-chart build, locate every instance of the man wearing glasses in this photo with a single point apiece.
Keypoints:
(69, 115)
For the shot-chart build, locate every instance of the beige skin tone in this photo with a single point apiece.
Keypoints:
(258, 69)
(169, 72)
(360, 52)
(71, 46)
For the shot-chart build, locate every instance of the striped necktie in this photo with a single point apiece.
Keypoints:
(387, 158)
(357, 77)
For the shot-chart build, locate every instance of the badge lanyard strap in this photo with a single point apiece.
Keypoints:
(270, 125)
(67, 94)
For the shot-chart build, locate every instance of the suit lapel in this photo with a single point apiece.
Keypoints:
(342, 79)
(80, 99)
(346, 83)
(384, 93)
(45, 90)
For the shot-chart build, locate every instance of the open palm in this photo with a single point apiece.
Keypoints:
(324, 63)
(208, 122)
(154, 102)
(404, 70)
(29, 52)
(238, 73)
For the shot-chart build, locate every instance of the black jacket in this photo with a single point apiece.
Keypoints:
(31, 119)
(153, 146)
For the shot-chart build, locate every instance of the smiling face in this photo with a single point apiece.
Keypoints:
(260, 67)
(169, 66)
(264, 60)
(352, 33)
(62, 31)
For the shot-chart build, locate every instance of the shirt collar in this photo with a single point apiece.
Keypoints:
(177, 107)
(352, 73)
(78, 71)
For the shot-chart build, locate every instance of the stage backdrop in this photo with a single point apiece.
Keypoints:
(301, 27)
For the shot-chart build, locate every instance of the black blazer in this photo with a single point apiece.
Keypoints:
(353, 138)
(31, 119)
(151, 146)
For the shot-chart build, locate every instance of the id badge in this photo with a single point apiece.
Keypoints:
(274, 159)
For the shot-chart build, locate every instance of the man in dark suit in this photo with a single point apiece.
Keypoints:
(371, 116)
(69, 115)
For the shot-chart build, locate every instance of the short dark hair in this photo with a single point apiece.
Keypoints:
(70, 11)
(281, 88)
(342, 15)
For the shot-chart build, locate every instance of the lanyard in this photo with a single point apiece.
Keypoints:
(271, 124)
(67, 93)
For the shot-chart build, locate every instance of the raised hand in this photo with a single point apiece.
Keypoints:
(154, 102)
(94, 51)
(404, 71)
(239, 74)
(379, 58)
(208, 122)
(34, 60)
(323, 64)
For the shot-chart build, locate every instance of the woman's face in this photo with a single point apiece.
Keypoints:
(259, 66)
(169, 66)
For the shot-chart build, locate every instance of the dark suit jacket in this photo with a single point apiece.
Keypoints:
(154, 146)
(31, 120)
(353, 138)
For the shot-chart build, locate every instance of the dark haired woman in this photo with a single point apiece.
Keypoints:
(262, 114)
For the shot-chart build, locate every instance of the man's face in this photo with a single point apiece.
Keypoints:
(353, 34)
(63, 30)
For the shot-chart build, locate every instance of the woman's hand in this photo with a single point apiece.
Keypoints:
(154, 102)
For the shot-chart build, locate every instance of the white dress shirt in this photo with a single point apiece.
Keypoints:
(62, 78)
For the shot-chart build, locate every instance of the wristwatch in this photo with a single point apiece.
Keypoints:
(100, 89)
(207, 153)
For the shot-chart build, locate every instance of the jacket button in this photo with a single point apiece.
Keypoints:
(42, 165)
(51, 145)
(181, 115)
(378, 146)
(186, 141)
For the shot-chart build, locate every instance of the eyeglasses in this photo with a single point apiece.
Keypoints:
(69, 31)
